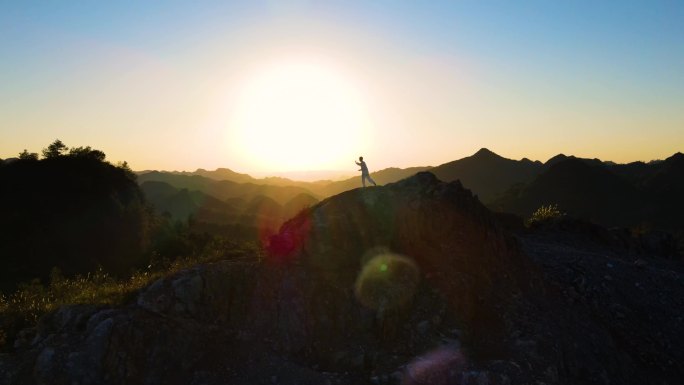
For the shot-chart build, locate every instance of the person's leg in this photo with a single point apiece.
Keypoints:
(363, 180)
(371, 180)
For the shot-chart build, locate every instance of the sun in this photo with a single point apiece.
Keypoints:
(300, 115)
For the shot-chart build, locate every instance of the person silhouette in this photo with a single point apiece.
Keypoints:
(364, 172)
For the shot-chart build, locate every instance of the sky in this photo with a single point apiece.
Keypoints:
(278, 86)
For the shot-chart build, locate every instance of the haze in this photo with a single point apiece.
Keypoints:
(291, 86)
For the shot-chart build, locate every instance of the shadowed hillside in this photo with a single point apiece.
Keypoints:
(635, 194)
(73, 212)
(248, 216)
(584, 190)
(410, 283)
(181, 204)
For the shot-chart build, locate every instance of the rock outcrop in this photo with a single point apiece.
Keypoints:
(455, 242)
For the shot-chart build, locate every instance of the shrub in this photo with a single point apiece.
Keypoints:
(32, 300)
(545, 214)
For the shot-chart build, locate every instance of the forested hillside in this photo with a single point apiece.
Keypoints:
(71, 210)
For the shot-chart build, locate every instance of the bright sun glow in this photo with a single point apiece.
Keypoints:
(298, 115)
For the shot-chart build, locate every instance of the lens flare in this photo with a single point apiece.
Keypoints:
(387, 280)
(443, 366)
(284, 246)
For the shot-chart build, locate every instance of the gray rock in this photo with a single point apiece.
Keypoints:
(188, 290)
(97, 318)
(98, 341)
(358, 360)
(44, 367)
(155, 297)
(423, 327)
(85, 366)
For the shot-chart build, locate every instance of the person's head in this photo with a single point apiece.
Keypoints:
(361, 158)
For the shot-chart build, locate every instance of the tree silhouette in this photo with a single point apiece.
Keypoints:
(73, 211)
(25, 155)
(87, 152)
(55, 149)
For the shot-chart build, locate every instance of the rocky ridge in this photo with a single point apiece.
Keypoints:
(488, 307)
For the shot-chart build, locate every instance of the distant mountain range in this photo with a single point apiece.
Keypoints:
(254, 208)
(611, 194)
(488, 174)
(221, 174)
(224, 189)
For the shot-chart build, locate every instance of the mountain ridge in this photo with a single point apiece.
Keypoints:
(506, 185)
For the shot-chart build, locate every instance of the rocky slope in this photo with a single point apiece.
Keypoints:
(410, 283)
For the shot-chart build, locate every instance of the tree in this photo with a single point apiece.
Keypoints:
(54, 150)
(87, 152)
(127, 169)
(72, 213)
(25, 155)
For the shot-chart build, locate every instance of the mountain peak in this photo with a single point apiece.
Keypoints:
(555, 159)
(485, 152)
(676, 157)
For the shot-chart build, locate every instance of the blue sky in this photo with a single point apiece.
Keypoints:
(530, 78)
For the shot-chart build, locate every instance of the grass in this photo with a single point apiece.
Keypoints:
(32, 300)
(545, 214)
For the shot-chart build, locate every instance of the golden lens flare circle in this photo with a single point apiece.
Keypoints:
(387, 281)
